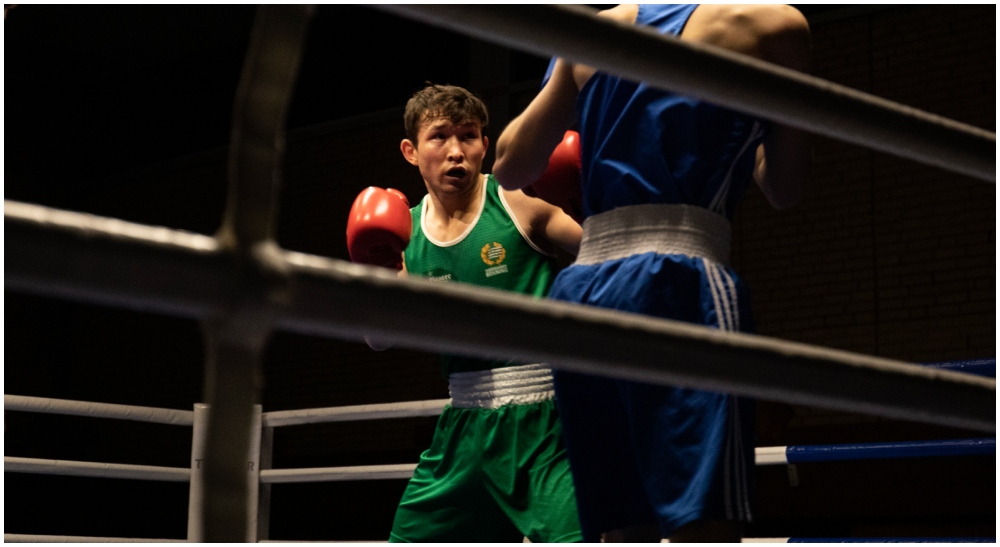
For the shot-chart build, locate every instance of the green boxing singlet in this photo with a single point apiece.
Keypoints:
(494, 252)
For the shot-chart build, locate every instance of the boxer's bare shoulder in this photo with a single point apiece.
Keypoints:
(761, 31)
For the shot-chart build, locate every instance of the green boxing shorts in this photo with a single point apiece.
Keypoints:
(493, 474)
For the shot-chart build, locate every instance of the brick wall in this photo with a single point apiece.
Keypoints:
(886, 256)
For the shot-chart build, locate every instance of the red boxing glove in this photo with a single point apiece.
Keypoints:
(378, 227)
(560, 184)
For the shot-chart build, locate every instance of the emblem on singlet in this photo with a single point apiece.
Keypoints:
(493, 254)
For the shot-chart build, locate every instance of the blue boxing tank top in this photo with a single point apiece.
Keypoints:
(644, 145)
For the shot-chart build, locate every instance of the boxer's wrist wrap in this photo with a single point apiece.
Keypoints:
(655, 228)
(519, 385)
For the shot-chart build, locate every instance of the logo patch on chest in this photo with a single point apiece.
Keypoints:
(493, 254)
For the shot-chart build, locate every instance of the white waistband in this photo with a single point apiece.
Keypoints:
(519, 385)
(657, 228)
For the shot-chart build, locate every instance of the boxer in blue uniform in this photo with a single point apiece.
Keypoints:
(661, 177)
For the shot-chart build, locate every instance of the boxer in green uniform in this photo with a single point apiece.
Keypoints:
(496, 470)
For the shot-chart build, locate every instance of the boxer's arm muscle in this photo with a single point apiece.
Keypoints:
(525, 145)
(548, 226)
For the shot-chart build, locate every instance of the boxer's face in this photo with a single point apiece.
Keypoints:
(449, 155)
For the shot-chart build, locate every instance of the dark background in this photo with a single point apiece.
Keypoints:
(125, 111)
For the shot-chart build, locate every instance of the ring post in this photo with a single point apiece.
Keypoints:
(196, 496)
(196, 492)
(264, 496)
(253, 470)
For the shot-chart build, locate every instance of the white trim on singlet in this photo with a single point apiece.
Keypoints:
(494, 388)
(718, 204)
(463, 235)
(517, 224)
(655, 228)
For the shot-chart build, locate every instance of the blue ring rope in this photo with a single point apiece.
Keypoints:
(908, 449)
(980, 367)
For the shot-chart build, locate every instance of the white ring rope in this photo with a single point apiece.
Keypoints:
(94, 469)
(765, 455)
(36, 538)
(93, 225)
(348, 473)
(98, 410)
(770, 455)
(408, 409)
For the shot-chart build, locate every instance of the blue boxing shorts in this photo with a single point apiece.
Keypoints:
(640, 453)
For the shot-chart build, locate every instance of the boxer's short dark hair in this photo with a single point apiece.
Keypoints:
(443, 101)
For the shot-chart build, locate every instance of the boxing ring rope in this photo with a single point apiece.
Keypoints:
(44, 405)
(88, 258)
(780, 455)
(37, 538)
(708, 72)
(345, 473)
(776, 455)
(354, 413)
(94, 469)
(241, 285)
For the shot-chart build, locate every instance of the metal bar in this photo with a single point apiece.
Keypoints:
(722, 77)
(325, 474)
(410, 409)
(13, 464)
(98, 410)
(235, 333)
(338, 299)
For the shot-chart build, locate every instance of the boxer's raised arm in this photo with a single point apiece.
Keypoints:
(525, 145)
